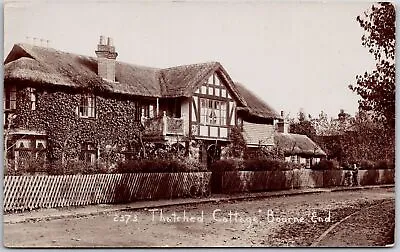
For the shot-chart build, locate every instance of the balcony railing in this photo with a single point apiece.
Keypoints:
(163, 126)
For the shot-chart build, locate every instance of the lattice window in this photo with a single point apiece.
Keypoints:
(10, 98)
(212, 112)
(87, 106)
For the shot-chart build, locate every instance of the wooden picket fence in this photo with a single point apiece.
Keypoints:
(44, 191)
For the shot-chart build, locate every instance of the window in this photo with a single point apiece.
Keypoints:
(88, 153)
(217, 92)
(308, 162)
(40, 150)
(223, 92)
(223, 113)
(87, 106)
(147, 110)
(10, 98)
(33, 97)
(212, 112)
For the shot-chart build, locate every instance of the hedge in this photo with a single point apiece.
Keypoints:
(72, 167)
(325, 165)
(253, 165)
(378, 165)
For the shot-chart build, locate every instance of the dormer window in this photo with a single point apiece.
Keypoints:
(10, 98)
(87, 106)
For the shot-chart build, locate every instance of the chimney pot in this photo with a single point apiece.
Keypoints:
(109, 41)
(102, 40)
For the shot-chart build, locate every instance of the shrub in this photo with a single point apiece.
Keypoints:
(159, 165)
(72, 167)
(382, 164)
(378, 165)
(366, 165)
(325, 165)
(55, 168)
(292, 166)
(266, 165)
(253, 165)
(193, 165)
(224, 165)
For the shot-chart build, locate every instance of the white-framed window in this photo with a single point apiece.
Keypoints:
(148, 110)
(87, 106)
(88, 153)
(151, 111)
(212, 112)
(33, 98)
(223, 113)
(10, 98)
(308, 162)
(217, 93)
(210, 91)
(223, 92)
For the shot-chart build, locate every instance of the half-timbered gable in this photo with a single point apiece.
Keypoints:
(213, 110)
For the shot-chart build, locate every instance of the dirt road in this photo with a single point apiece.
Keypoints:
(279, 221)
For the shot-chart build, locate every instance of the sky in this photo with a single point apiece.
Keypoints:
(292, 54)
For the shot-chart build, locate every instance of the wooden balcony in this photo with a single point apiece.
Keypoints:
(162, 126)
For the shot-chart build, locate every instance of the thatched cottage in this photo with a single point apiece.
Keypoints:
(71, 106)
(296, 148)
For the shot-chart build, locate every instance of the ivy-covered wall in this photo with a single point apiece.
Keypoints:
(56, 113)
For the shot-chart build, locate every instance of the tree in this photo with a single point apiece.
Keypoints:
(377, 88)
(303, 125)
(238, 144)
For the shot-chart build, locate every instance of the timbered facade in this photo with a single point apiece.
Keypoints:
(213, 110)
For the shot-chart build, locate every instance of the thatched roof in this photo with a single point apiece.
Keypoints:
(257, 134)
(296, 144)
(53, 67)
(255, 105)
(49, 66)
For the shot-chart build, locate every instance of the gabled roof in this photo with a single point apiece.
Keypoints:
(255, 105)
(294, 144)
(48, 66)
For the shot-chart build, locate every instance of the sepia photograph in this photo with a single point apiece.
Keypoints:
(148, 124)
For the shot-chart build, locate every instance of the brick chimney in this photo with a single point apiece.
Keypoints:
(283, 124)
(106, 56)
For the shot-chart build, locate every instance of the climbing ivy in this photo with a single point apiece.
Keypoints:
(56, 113)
